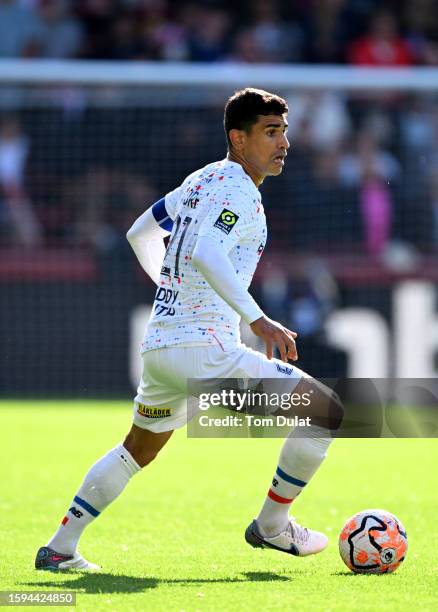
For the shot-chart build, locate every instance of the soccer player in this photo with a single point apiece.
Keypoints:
(218, 232)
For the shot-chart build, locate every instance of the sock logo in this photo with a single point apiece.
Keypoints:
(275, 482)
(77, 513)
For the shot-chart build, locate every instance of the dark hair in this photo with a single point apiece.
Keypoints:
(244, 107)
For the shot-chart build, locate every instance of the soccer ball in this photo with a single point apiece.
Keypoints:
(373, 542)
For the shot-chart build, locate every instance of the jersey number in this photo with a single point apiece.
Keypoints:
(185, 225)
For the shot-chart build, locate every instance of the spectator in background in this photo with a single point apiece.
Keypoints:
(372, 170)
(303, 31)
(278, 40)
(330, 25)
(325, 204)
(382, 46)
(433, 176)
(428, 52)
(421, 19)
(63, 33)
(325, 27)
(125, 41)
(246, 48)
(274, 290)
(325, 114)
(17, 212)
(332, 213)
(21, 30)
(324, 209)
(150, 20)
(433, 182)
(171, 33)
(96, 17)
(421, 16)
(419, 154)
(105, 201)
(208, 42)
(313, 299)
(375, 202)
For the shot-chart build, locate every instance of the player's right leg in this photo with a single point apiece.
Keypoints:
(103, 483)
(108, 477)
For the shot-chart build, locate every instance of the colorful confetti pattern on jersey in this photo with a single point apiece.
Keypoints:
(221, 202)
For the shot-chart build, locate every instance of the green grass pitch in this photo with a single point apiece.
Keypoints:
(174, 539)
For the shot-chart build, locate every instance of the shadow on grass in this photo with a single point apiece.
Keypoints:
(115, 583)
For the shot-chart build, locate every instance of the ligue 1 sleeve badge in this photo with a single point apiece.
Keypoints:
(226, 221)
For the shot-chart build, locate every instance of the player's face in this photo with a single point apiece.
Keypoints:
(265, 146)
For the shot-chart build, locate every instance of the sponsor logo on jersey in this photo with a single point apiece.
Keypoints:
(226, 221)
(153, 413)
(284, 369)
(168, 296)
(165, 296)
(191, 202)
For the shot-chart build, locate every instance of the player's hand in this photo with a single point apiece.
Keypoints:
(274, 334)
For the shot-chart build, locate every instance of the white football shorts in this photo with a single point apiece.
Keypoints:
(161, 400)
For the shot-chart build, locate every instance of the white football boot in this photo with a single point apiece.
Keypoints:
(294, 540)
(49, 559)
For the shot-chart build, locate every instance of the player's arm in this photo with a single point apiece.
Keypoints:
(146, 238)
(216, 267)
(213, 262)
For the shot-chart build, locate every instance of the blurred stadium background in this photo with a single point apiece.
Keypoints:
(105, 106)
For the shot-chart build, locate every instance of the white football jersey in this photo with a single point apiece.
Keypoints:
(221, 202)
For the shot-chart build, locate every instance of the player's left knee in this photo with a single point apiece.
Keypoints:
(335, 411)
(328, 411)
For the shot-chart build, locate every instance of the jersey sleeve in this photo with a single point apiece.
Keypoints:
(171, 201)
(230, 219)
(161, 215)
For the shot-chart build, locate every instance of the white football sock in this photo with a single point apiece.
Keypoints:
(104, 482)
(299, 460)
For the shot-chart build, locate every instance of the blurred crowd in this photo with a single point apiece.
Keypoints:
(362, 169)
(361, 172)
(358, 32)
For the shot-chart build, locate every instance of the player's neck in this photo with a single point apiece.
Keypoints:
(250, 170)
